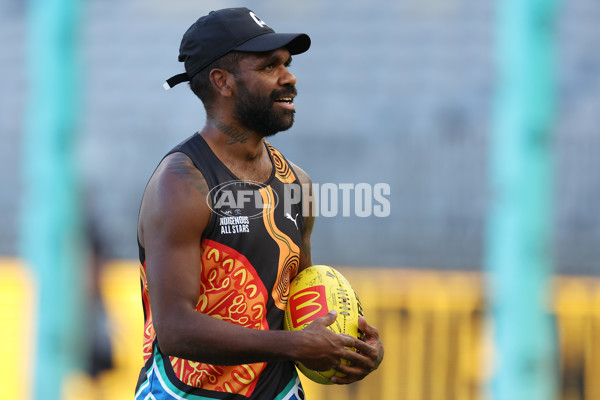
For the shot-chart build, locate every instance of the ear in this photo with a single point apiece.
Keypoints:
(222, 81)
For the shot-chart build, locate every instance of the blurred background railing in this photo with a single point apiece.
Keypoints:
(432, 324)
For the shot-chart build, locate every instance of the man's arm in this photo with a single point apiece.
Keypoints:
(173, 215)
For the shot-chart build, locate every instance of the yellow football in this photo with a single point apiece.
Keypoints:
(313, 293)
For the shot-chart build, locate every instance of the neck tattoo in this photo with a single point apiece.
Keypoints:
(235, 135)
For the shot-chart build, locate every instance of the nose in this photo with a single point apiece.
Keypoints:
(287, 78)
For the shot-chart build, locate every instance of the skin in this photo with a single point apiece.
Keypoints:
(173, 215)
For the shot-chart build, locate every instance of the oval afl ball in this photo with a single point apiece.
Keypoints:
(314, 292)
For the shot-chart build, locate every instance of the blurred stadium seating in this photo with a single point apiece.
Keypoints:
(396, 92)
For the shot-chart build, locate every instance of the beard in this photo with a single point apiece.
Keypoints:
(258, 114)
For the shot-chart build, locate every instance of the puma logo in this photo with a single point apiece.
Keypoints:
(288, 216)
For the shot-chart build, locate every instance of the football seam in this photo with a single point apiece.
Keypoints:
(341, 286)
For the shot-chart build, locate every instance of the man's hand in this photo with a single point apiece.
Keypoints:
(320, 348)
(367, 359)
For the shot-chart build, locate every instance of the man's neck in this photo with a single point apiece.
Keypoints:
(240, 149)
(233, 138)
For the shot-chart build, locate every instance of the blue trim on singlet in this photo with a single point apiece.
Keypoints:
(292, 390)
(158, 386)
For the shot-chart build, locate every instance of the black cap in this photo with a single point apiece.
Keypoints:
(222, 31)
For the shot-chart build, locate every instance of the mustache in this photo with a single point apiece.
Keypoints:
(288, 90)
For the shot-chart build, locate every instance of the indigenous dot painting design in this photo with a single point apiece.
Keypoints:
(283, 172)
(231, 291)
(289, 252)
(149, 333)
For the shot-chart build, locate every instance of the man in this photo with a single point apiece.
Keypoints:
(217, 250)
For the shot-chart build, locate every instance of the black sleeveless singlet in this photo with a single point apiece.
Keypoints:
(250, 253)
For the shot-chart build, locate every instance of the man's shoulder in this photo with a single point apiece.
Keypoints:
(303, 177)
(174, 199)
(178, 170)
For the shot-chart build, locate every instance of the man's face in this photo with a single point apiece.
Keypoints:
(265, 93)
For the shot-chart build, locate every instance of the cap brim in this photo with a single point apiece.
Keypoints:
(296, 43)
